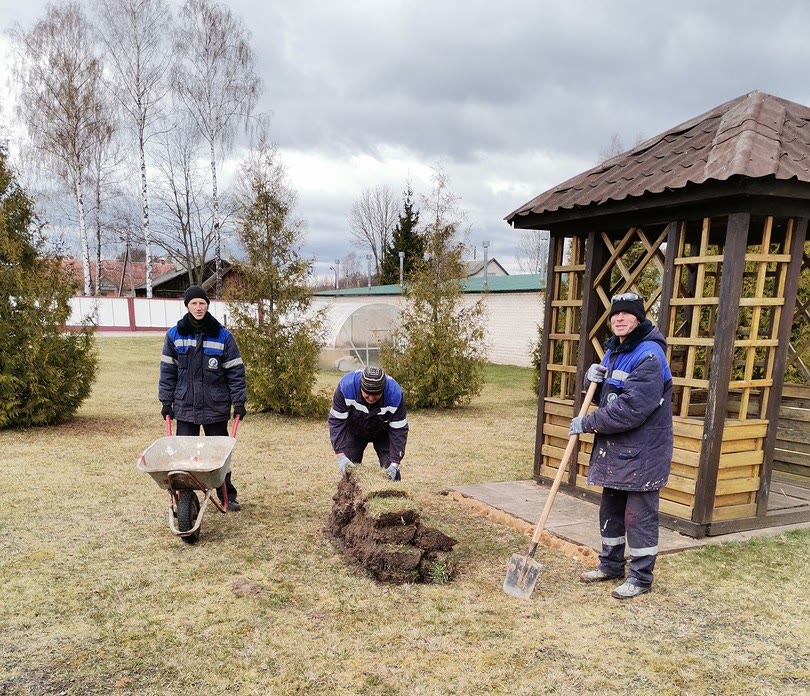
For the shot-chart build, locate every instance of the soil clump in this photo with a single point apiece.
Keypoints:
(380, 532)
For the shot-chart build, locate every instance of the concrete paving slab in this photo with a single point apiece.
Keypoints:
(577, 521)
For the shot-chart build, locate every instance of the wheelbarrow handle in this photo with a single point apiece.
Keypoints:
(169, 426)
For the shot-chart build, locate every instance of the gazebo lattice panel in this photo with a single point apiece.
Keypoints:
(798, 363)
(712, 284)
(565, 287)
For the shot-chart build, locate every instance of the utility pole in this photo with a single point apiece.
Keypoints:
(486, 264)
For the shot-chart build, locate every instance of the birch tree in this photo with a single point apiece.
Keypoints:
(372, 219)
(104, 164)
(60, 81)
(214, 76)
(184, 207)
(136, 35)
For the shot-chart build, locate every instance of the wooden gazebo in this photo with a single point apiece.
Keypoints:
(707, 221)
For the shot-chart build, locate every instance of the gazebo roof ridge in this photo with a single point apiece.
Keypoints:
(755, 135)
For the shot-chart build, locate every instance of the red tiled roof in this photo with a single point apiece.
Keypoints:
(755, 135)
(111, 272)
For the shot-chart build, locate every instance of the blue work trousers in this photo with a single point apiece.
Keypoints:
(628, 520)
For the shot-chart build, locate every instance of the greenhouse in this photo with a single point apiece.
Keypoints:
(354, 333)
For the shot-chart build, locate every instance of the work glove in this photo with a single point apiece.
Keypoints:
(239, 410)
(576, 426)
(596, 373)
(393, 471)
(167, 410)
(344, 463)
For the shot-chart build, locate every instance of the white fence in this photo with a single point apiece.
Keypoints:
(511, 318)
(133, 313)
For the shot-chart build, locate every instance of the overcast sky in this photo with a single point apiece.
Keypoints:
(511, 97)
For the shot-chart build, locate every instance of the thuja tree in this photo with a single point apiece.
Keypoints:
(45, 372)
(278, 333)
(437, 351)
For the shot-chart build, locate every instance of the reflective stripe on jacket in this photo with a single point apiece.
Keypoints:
(350, 413)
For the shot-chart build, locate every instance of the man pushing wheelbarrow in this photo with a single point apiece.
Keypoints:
(201, 376)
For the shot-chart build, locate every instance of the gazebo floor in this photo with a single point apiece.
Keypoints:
(518, 504)
(788, 492)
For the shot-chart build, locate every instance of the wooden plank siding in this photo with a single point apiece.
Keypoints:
(738, 476)
(792, 446)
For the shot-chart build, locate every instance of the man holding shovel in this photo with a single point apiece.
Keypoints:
(632, 451)
(368, 407)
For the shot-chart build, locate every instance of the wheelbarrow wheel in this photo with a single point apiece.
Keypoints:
(188, 507)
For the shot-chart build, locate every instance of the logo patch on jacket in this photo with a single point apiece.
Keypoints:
(213, 363)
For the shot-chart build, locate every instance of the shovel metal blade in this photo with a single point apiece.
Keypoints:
(521, 576)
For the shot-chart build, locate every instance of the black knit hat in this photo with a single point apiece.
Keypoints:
(194, 292)
(372, 381)
(628, 302)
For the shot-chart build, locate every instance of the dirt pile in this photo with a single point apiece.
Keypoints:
(380, 532)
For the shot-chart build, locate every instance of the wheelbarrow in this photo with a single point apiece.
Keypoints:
(184, 465)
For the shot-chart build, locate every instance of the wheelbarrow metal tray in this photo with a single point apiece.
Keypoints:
(207, 458)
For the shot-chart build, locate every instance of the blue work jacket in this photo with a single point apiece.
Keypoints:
(201, 372)
(633, 424)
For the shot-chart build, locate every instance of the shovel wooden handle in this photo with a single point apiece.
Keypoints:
(569, 450)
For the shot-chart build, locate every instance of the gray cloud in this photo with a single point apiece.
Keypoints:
(511, 97)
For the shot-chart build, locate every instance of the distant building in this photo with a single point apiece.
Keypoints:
(174, 284)
(475, 269)
(116, 278)
(360, 319)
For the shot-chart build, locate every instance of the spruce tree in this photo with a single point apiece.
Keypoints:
(45, 372)
(278, 334)
(437, 352)
(406, 237)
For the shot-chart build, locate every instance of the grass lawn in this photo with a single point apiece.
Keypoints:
(98, 597)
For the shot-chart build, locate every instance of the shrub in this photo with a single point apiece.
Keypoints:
(45, 372)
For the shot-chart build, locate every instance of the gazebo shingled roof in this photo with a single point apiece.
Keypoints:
(755, 135)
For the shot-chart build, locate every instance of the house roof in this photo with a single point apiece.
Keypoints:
(477, 266)
(178, 272)
(110, 271)
(526, 282)
(755, 135)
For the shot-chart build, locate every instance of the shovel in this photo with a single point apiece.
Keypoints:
(522, 571)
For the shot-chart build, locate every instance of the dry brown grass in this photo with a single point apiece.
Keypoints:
(98, 597)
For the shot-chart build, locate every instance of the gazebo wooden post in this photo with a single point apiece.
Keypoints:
(554, 243)
(780, 361)
(731, 284)
(595, 258)
(668, 282)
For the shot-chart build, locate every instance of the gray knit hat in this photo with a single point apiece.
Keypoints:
(372, 381)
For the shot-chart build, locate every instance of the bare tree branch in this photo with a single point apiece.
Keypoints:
(533, 251)
(372, 219)
(60, 80)
(214, 76)
(187, 233)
